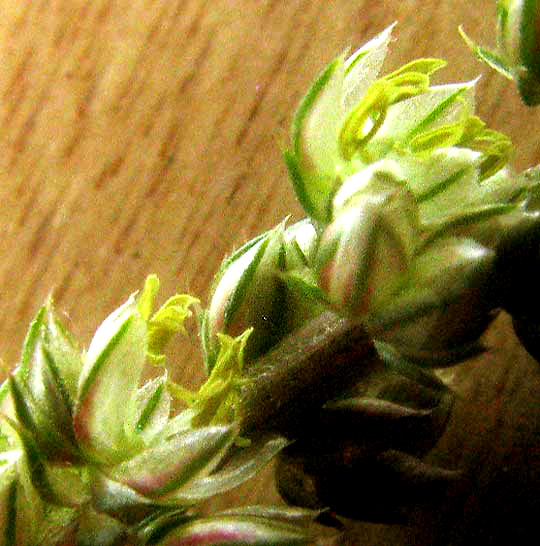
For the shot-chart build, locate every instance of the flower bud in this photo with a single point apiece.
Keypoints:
(300, 242)
(387, 487)
(384, 176)
(303, 299)
(364, 254)
(247, 293)
(445, 306)
(384, 425)
(44, 388)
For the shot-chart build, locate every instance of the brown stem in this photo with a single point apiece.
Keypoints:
(314, 364)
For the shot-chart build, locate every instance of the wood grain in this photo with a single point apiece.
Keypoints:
(144, 136)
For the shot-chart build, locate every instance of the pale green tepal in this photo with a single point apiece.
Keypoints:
(409, 192)
(518, 46)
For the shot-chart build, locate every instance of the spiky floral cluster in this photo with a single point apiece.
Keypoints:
(89, 456)
(409, 202)
(408, 195)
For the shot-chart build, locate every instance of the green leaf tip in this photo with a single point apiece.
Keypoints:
(518, 47)
(488, 57)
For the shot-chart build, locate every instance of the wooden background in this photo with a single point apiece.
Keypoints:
(144, 136)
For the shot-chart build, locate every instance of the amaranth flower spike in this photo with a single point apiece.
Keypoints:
(391, 168)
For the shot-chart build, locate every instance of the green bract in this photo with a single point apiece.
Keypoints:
(518, 52)
(366, 251)
(314, 159)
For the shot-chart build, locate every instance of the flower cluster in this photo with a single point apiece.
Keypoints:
(408, 195)
(412, 214)
(91, 456)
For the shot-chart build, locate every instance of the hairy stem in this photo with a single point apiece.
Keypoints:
(314, 364)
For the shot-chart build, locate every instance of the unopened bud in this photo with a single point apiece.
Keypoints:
(364, 254)
(445, 307)
(44, 388)
(247, 294)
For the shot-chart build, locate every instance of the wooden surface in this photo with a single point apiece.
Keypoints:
(144, 136)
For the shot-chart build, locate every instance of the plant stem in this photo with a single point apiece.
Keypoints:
(312, 365)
